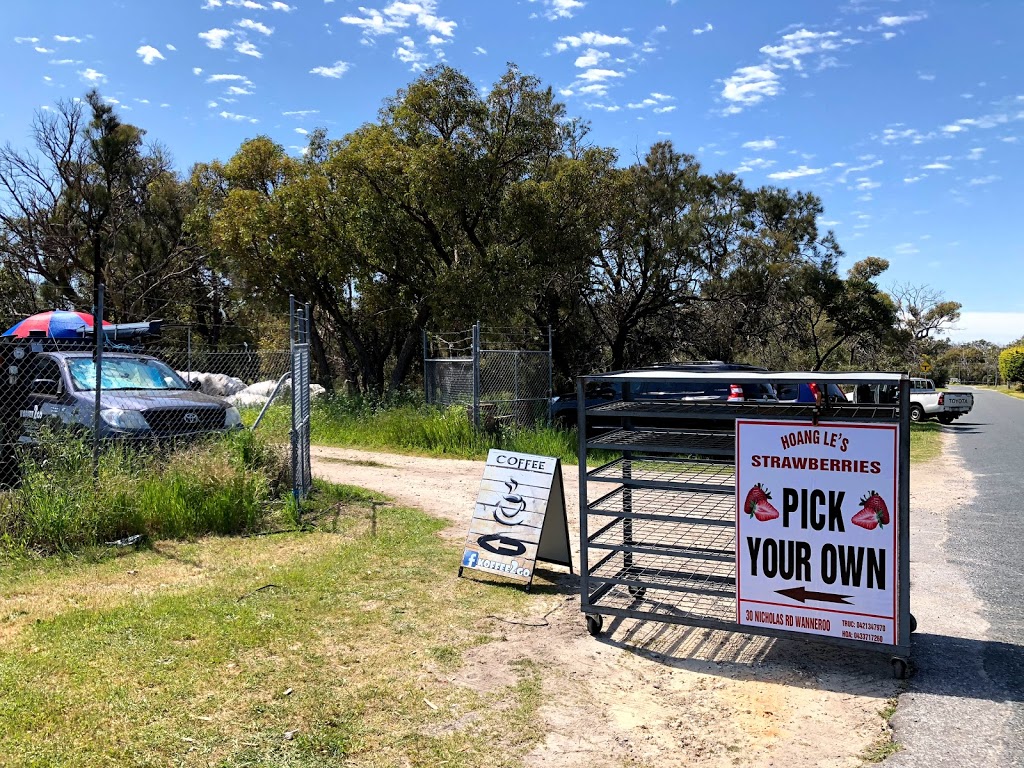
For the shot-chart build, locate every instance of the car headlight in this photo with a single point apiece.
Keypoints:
(121, 419)
(232, 418)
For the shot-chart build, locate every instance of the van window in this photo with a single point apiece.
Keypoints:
(46, 369)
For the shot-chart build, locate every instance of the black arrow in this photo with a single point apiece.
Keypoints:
(803, 595)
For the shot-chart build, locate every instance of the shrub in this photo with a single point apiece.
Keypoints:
(1011, 364)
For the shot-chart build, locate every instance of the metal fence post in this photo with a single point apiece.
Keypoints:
(476, 374)
(551, 381)
(426, 373)
(97, 329)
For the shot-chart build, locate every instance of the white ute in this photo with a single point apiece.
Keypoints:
(925, 401)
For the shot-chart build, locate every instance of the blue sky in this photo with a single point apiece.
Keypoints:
(907, 118)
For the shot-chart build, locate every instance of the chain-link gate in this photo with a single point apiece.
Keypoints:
(302, 475)
(495, 373)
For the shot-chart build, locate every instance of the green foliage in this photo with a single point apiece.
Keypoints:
(1011, 364)
(222, 486)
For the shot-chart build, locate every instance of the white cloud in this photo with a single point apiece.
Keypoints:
(212, 104)
(32, 40)
(250, 4)
(302, 131)
(605, 107)
(701, 30)
(913, 179)
(255, 26)
(228, 79)
(953, 128)
(238, 90)
(211, 4)
(67, 39)
(888, 35)
(560, 9)
(238, 118)
(277, 5)
(214, 38)
(905, 249)
(591, 58)
(760, 144)
(795, 46)
(301, 113)
(398, 15)
(170, 47)
(406, 53)
(62, 62)
(336, 70)
(590, 39)
(480, 51)
(92, 77)
(864, 184)
(41, 49)
(829, 222)
(975, 153)
(897, 132)
(750, 85)
(997, 327)
(149, 54)
(925, 76)
(796, 173)
(663, 110)
(936, 167)
(197, 70)
(896, 21)
(248, 49)
(599, 75)
(984, 180)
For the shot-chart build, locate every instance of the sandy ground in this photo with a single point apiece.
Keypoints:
(650, 694)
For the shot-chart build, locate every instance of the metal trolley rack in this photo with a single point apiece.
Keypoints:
(658, 535)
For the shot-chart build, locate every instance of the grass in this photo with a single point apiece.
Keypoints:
(223, 486)
(294, 650)
(925, 441)
(885, 746)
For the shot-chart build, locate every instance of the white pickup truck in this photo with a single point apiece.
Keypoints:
(925, 401)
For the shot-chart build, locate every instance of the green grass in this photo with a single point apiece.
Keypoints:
(176, 656)
(925, 441)
(885, 746)
(408, 428)
(223, 486)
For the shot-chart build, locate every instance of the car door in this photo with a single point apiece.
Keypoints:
(44, 401)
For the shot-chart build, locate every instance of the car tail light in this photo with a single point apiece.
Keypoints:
(735, 393)
(815, 392)
(942, 398)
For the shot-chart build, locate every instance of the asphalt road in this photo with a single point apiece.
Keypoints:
(964, 706)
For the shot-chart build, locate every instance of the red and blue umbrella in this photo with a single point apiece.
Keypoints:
(56, 325)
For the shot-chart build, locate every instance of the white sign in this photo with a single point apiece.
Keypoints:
(816, 528)
(519, 517)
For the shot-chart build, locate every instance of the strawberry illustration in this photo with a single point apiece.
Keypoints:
(876, 504)
(866, 518)
(757, 504)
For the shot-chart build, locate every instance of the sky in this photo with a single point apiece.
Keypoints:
(906, 118)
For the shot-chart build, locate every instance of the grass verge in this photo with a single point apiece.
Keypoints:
(293, 650)
(885, 746)
(925, 441)
(1005, 390)
(223, 486)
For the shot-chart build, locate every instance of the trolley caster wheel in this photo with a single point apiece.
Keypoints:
(913, 623)
(637, 592)
(899, 668)
(594, 625)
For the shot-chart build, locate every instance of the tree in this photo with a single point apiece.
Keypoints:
(1011, 364)
(923, 315)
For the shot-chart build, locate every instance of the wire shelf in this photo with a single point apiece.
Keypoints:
(671, 506)
(670, 606)
(689, 442)
(692, 540)
(668, 473)
(732, 411)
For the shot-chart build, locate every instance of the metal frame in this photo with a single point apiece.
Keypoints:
(674, 497)
(299, 333)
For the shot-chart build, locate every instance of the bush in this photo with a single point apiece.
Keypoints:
(1011, 364)
(222, 486)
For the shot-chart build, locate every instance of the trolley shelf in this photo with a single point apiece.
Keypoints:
(668, 473)
(718, 580)
(695, 442)
(670, 506)
(693, 539)
(670, 606)
(635, 409)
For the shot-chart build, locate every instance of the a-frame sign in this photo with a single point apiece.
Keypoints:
(519, 517)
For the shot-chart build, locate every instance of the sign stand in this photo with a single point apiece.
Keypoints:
(519, 518)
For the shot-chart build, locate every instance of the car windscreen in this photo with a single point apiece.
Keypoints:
(124, 373)
(683, 390)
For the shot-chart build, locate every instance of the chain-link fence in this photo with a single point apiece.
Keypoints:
(77, 409)
(502, 376)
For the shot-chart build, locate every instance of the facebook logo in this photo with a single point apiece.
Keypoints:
(469, 558)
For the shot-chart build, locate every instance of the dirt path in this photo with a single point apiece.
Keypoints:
(648, 694)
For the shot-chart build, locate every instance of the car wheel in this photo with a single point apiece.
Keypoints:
(916, 412)
(946, 418)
